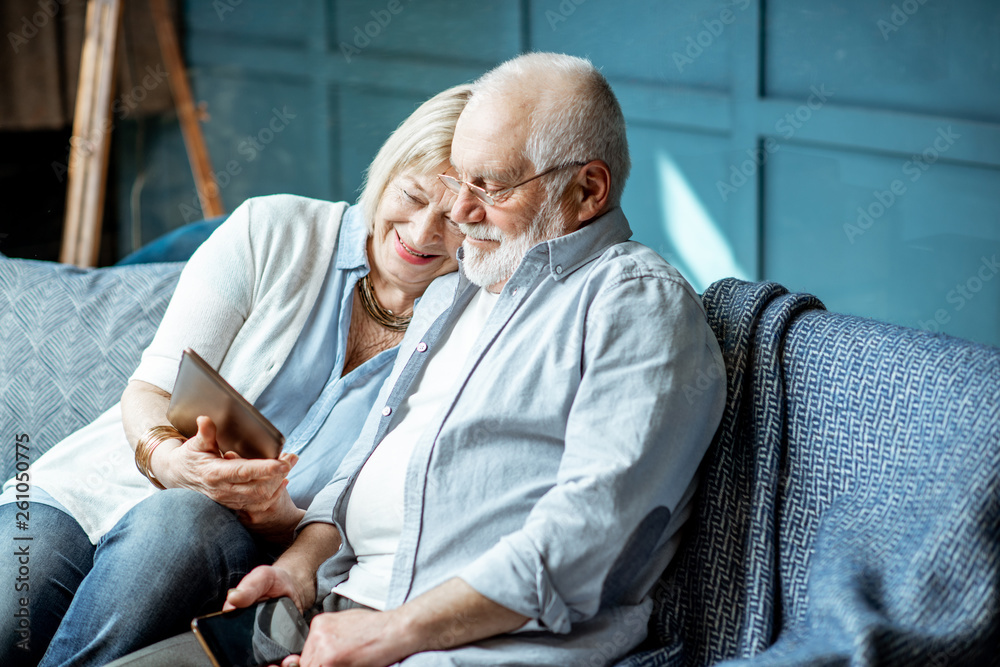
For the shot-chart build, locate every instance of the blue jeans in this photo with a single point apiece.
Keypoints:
(38, 586)
(169, 559)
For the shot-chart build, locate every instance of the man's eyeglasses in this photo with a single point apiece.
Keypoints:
(492, 197)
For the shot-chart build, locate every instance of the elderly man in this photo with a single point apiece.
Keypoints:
(521, 483)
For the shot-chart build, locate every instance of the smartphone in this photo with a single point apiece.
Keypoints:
(263, 634)
(240, 427)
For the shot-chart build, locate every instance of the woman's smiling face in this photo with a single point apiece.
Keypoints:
(414, 240)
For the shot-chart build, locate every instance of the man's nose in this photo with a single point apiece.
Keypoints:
(467, 207)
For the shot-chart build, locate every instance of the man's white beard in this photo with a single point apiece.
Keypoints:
(489, 267)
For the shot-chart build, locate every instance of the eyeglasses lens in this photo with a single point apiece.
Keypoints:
(455, 186)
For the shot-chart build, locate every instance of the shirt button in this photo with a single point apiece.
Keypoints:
(559, 269)
(386, 411)
(421, 346)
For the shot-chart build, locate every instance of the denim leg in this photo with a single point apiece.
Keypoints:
(43, 572)
(171, 558)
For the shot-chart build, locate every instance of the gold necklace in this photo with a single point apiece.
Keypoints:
(375, 309)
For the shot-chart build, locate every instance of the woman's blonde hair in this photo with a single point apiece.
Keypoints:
(420, 143)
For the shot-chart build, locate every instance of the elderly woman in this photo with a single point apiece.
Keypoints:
(300, 304)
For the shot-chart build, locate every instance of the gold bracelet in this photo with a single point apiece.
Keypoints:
(148, 441)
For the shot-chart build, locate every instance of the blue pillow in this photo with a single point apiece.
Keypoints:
(69, 340)
(175, 246)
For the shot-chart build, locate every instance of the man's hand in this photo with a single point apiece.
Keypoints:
(453, 614)
(352, 638)
(269, 581)
(293, 574)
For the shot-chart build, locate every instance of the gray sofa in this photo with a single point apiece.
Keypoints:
(849, 511)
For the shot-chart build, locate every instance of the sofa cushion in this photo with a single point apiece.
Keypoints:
(69, 340)
(175, 246)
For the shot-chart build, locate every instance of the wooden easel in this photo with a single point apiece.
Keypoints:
(92, 124)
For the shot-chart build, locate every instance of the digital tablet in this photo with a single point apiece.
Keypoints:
(240, 427)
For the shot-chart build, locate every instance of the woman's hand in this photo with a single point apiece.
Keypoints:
(248, 485)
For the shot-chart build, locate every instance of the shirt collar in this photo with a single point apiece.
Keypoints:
(570, 252)
(352, 247)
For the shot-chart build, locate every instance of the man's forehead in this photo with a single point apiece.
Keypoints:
(488, 137)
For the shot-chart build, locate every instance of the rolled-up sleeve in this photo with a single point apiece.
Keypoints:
(651, 394)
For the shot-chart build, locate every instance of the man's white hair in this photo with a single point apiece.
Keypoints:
(576, 120)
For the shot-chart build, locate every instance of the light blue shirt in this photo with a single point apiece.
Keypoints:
(556, 476)
(320, 412)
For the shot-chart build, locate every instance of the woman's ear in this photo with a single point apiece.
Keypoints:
(593, 186)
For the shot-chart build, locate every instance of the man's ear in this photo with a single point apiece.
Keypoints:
(591, 190)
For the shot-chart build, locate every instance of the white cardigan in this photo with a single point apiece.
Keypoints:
(240, 303)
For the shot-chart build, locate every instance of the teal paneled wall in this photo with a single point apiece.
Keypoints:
(445, 30)
(925, 262)
(887, 203)
(636, 41)
(919, 56)
(757, 129)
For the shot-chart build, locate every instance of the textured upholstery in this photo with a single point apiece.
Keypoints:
(69, 339)
(850, 507)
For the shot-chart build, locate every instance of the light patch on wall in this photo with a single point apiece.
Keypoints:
(702, 252)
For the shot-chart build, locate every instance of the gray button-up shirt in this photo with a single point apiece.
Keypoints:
(557, 474)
